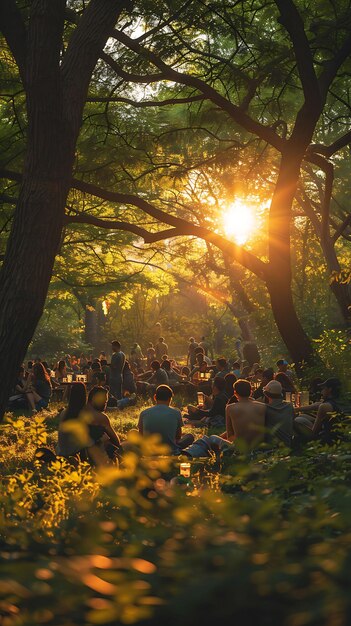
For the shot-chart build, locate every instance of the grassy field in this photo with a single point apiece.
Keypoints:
(265, 540)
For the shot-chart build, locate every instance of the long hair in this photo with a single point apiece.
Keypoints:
(61, 365)
(40, 373)
(77, 401)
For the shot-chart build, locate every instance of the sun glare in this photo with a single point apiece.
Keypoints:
(238, 222)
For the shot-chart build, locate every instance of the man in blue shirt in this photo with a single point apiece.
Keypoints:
(165, 421)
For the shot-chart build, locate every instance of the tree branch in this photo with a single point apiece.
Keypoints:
(147, 103)
(265, 133)
(331, 67)
(134, 78)
(180, 228)
(340, 230)
(106, 223)
(293, 23)
(328, 151)
(85, 46)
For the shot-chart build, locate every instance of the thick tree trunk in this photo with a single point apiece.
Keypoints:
(56, 93)
(37, 224)
(289, 326)
(279, 276)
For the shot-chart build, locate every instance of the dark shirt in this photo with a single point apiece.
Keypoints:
(43, 389)
(160, 377)
(218, 406)
(117, 365)
(129, 381)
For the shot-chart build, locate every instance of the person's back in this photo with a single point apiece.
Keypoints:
(162, 419)
(245, 419)
(279, 414)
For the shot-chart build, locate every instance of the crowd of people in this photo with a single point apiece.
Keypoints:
(249, 404)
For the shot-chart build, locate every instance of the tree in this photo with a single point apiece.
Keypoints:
(233, 60)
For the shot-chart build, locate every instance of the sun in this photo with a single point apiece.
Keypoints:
(238, 222)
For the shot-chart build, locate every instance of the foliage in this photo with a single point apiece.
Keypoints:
(265, 542)
(334, 347)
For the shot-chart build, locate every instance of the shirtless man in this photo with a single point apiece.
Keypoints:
(245, 419)
(245, 422)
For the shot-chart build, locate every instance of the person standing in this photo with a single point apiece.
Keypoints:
(161, 349)
(191, 358)
(206, 346)
(118, 360)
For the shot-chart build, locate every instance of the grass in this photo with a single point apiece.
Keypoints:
(265, 542)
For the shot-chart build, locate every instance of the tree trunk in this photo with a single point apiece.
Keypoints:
(342, 293)
(56, 92)
(289, 326)
(279, 275)
(341, 290)
(38, 218)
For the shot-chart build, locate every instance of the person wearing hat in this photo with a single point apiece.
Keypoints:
(283, 367)
(279, 414)
(316, 420)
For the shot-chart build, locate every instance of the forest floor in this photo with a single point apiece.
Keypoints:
(266, 540)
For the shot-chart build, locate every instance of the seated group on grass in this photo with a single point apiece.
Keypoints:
(85, 428)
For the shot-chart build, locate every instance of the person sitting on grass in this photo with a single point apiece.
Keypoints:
(315, 421)
(279, 414)
(164, 420)
(245, 422)
(159, 375)
(286, 383)
(258, 394)
(245, 419)
(236, 368)
(200, 350)
(222, 366)
(74, 437)
(283, 367)
(38, 390)
(100, 428)
(174, 379)
(18, 398)
(229, 380)
(60, 371)
(214, 416)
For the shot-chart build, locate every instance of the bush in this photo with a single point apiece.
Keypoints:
(266, 542)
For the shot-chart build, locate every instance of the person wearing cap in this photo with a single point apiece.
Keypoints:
(279, 414)
(283, 366)
(316, 420)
